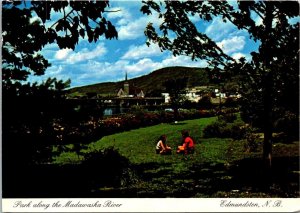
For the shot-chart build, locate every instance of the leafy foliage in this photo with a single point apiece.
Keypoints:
(32, 112)
(264, 80)
(217, 167)
(99, 164)
(176, 89)
(227, 126)
(20, 50)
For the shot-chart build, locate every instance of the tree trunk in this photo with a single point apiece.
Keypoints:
(268, 126)
(268, 84)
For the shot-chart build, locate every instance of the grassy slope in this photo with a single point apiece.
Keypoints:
(139, 145)
(218, 167)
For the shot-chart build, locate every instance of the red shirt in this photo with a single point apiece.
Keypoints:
(188, 142)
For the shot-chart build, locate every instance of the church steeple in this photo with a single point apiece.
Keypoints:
(126, 85)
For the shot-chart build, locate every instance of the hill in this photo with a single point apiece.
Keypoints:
(151, 84)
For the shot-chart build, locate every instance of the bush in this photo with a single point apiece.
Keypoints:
(229, 118)
(235, 130)
(251, 143)
(288, 123)
(206, 113)
(85, 132)
(214, 129)
(110, 167)
(205, 103)
(221, 129)
(231, 102)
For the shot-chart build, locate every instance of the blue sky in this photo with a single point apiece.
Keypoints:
(108, 60)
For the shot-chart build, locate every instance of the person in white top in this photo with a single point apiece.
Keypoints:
(162, 147)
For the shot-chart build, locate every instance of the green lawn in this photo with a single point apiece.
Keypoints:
(218, 168)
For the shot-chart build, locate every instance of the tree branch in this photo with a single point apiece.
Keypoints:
(62, 18)
(258, 13)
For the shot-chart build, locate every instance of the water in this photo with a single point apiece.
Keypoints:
(114, 111)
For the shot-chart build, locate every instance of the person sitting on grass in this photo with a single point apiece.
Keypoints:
(188, 146)
(161, 146)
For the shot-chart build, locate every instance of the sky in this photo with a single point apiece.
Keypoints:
(109, 60)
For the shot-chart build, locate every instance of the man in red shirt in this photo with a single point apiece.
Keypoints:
(188, 146)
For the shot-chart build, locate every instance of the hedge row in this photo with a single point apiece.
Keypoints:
(94, 129)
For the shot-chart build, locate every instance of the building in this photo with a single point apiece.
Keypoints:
(192, 95)
(167, 97)
(130, 91)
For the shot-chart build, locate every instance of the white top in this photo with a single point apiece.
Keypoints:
(158, 145)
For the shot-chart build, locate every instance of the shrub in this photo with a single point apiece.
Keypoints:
(221, 129)
(108, 166)
(205, 103)
(206, 113)
(251, 143)
(235, 130)
(288, 123)
(166, 117)
(229, 118)
(231, 102)
(214, 129)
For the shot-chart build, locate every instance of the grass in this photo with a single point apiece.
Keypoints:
(139, 145)
(218, 168)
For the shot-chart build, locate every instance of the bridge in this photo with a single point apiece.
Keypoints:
(119, 101)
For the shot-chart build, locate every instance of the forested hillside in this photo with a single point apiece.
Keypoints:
(151, 84)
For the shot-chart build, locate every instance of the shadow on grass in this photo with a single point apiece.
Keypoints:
(101, 169)
(245, 178)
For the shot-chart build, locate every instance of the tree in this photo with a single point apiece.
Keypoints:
(26, 30)
(31, 110)
(265, 77)
(176, 89)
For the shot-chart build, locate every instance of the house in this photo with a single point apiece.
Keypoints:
(193, 95)
(166, 97)
(219, 94)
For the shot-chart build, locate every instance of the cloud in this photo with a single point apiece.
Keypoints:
(108, 60)
(104, 71)
(137, 52)
(94, 71)
(141, 67)
(146, 65)
(182, 61)
(121, 17)
(62, 54)
(86, 54)
(239, 55)
(71, 57)
(218, 30)
(233, 44)
(55, 71)
(134, 29)
(118, 12)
